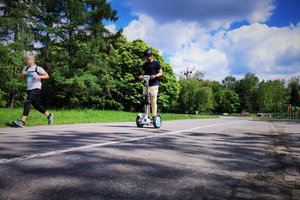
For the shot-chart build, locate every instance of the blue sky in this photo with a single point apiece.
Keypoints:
(218, 37)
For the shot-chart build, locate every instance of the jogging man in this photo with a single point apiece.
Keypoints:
(33, 76)
(152, 68)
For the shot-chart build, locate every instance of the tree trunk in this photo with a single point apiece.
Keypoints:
(12, 100)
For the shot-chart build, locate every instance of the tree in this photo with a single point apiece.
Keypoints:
(215, 85)
(227, 101)
(247, 91)
(204, 99)
(271, 96)
(187, 95)
(229, 82)
(16, 37)
(78, 52)
(265, 96)
(294, 92)
(195, 96)
(281, 96)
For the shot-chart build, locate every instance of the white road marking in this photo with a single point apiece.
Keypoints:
(72, 149)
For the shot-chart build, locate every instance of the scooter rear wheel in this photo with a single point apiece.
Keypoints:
(157, 121)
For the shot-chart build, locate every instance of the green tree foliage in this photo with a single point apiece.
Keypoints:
(77, 51)
(227, 101)
(195, 96)
(271, 96)
(294, 87)
(229, 82)
(247, 91)
(15, 35)
(188, 95)
(12, 88)
(281, 95)
(205, 99)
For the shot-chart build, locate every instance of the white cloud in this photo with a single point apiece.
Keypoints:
(261, 12)
(261, 49)
(111, 28)
(212, 62)
(137, 28)
(168, 37)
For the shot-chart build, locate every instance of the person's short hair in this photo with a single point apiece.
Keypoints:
(30, 54)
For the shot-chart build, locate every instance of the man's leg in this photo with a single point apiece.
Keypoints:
(153, 99)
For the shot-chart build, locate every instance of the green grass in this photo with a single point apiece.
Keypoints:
(82, 116)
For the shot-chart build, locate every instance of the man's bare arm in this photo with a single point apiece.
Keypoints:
(42, 76)
(160, 73)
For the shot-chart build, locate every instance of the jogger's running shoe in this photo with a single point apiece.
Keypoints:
(50, 118)
(19, 124)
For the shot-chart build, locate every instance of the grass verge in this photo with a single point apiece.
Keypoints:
(83, 116)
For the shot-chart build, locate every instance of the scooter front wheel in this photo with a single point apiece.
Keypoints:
(157, 121)
(138, 122)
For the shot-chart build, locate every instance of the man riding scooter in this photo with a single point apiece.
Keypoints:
(153, 69)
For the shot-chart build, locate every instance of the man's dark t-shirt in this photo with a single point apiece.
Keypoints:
(152, 69)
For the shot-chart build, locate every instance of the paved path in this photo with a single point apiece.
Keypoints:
(225, 158)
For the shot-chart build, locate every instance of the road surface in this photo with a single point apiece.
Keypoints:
(225, 158)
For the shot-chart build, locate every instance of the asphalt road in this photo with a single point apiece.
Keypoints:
(225, 158)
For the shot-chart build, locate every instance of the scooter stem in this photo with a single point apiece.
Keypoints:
(147, 78)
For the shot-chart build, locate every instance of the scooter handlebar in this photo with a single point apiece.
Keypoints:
(146, 77)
